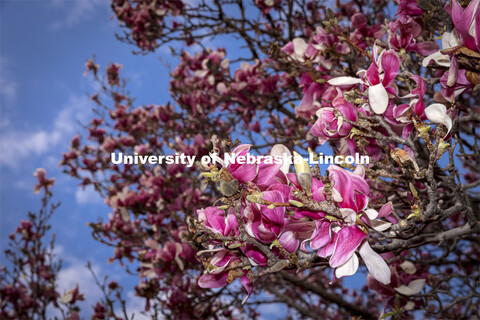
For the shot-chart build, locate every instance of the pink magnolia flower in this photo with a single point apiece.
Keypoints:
(351, 188)
(329, 125)
(467, 23)
(261, 171)
(339, 239)
(376, 79)
(242, 172)
(217, 276)
(43, 182)
(403, 36)
(214, 219)
(263, 223)
(407, 279)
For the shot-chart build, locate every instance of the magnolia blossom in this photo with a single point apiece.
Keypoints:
(376, 79)
(340, 239)
(218, 276)
(467, 23)
(329, 125)
(43, 182)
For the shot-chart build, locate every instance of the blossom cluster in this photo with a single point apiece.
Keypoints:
(272, 212)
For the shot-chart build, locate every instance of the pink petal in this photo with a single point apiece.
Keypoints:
(372, 74)
(453, 72)
(321, 235)
(289, 241)
(390, 65)
(248, 285)
(266, 172)
(213, 280)
(349, 238)
(232, 223)
(385, 210)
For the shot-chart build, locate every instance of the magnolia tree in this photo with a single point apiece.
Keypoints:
(220, 240)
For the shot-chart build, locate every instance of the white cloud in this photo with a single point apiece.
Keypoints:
(87, 196)
(75, 271)
(8, 85)
(18, 145)
(76, 11)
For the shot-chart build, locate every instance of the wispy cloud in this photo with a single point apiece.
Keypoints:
(18, 145)
(76, 12)
(88, 195)
(8, 85)
(74, 271)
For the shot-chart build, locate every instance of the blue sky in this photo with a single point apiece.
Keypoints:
(43, 98)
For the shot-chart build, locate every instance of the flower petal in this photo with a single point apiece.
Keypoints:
(344, 81)
(349, 238)
(413, 287)
(437, 113)
(213, 280)
(378, 98)
(348, 268)
(377, 267)
(281, 150)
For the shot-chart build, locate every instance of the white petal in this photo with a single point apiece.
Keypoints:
(375, 264)
(337, 197)
(360, 171)
(221, 87)
(380, 225)
(281, 150)
(348, 215)
(201, 73)
(439, 58)
(269, 3)
(408, 267)
(299, 47)
(348, 268)
(378, 98)
(224, 64)
(413, 288)
(409, 306)
(344, 81)
(437, 113)
(371, 214)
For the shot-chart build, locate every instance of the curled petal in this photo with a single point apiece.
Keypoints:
(289, 241)
(437, 113)
(380, 225)
(371, 213)
(385, 210)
